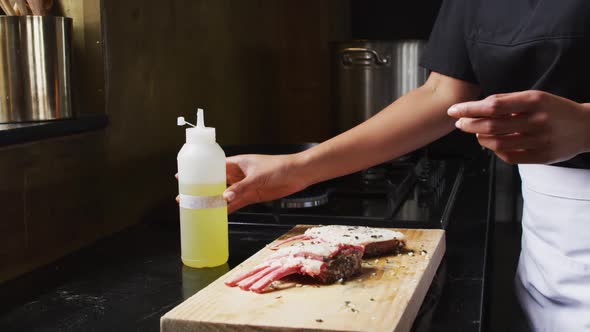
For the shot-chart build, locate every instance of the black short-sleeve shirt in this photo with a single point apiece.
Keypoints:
(515, 45)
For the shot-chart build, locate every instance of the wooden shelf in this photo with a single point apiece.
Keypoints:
(18, 133)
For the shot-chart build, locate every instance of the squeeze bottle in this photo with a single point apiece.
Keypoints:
(203, 211)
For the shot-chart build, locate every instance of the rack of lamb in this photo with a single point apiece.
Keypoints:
(325, 253)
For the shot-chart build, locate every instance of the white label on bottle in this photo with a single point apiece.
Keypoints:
(201, 202)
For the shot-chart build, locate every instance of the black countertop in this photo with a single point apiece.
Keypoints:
(128, 281)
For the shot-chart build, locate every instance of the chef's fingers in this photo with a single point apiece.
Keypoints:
(505, 125)
(496, 105)
(237, 189)
(513, 142)
(234, 170)
(240, 194)
(234, 206)
(233, 176)
(236, 160)
(238, 201)
(178, 196)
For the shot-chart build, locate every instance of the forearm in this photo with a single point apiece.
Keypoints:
(412, 121)
(586, 111)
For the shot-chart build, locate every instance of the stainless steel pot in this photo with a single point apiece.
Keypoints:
(369, 75)
(35, 54)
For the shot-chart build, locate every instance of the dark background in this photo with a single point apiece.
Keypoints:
(393, 19)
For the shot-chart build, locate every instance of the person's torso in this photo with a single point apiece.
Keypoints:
(517, 45)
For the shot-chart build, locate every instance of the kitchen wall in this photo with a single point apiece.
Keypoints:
(51, 191)
(258, 67)
(385, 19)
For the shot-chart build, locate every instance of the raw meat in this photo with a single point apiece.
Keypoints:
(376, 241)
(325, 262)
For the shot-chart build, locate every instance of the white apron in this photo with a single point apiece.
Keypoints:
(553, 277)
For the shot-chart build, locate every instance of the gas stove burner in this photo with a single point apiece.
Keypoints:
(374, 174)
(307, 198)
(405, 158)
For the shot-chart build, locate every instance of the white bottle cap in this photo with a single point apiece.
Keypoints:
(200, 133)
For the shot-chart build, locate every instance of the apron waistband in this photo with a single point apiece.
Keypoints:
(573, 183)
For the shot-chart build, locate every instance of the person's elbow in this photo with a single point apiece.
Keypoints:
(450, 90)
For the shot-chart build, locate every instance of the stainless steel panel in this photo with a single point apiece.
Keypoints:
(363, 84)
(11, 78)
(369, 75)
(407, 73)
(35, 68)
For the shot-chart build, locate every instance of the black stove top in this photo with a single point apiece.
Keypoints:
(414, 191)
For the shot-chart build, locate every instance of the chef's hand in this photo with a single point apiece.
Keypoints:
(260, 178)
(527, 127)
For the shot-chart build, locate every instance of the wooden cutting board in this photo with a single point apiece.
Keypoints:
(386, 296)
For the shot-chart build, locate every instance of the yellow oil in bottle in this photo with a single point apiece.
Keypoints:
(203, 232)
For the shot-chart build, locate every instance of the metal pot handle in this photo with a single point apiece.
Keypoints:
(348, 59)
